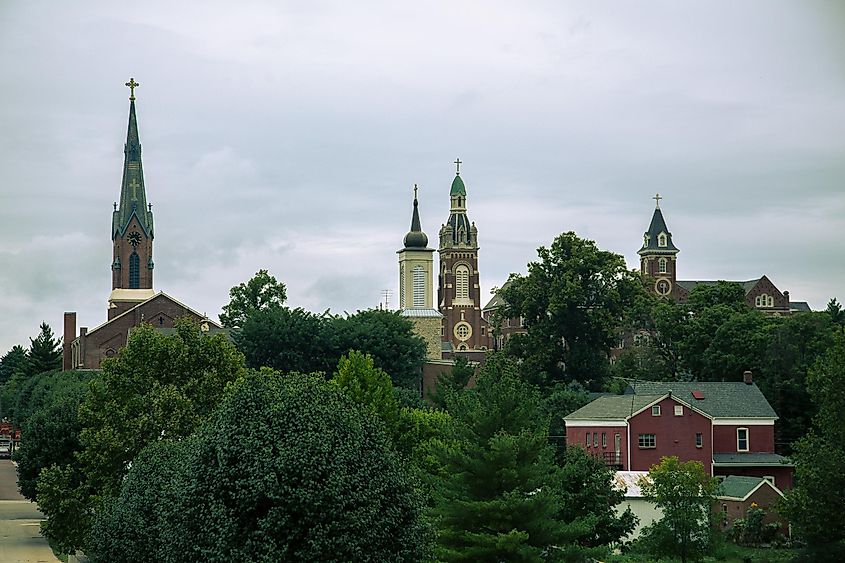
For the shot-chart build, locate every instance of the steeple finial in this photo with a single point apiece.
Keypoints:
(458, 165)
(657, 198)
(415, 192)
(415, 238)
(132, 85)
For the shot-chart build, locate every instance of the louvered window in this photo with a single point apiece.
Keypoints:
(419, 287)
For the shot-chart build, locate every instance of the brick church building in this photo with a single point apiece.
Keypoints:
(132, 300)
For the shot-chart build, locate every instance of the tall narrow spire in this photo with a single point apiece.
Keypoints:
(133, 198)
(416, 238)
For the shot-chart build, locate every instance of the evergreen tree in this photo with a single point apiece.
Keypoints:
(45, 352)
(12, 362)
(368, 386)
(454, 380)
(499, 498)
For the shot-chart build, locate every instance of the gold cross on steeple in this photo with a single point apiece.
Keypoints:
(458, 163)
(657, 198)
(134, 185)
(132, 85)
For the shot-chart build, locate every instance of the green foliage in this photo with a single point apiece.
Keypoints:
(288, 340)
(452, 381)
(368, 386)
(51, 431)
(499, 496)
(752, 530)
(67, 504)
(408, 398)
(835, 312)
(12, 362)
(389, 338)
(814, 506)
(572, 300)
(722, 293)
(588, 497)
(260, 293)
(558, 402)
(297, 340)
(309, 478)
(642, 362)
(685, 493)
(45, 352)
(159, 387)
(419, 434)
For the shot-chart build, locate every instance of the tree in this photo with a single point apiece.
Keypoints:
(835, 311)
(498, 498)
(310, 478)
(260, 293)
(589, 497)
(452, 381)
(12, 362)
(389, 338)
(45, 352)
(814, 506)
(572, 300)
(685, 493)
(725, 293)
(739, 344)
(288, 340)
(158, 388)
(51, 431)
(368, 386)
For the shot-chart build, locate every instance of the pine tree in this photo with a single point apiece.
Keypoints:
(499, 498)
(12, 362)
(451, 381)
(45, 353)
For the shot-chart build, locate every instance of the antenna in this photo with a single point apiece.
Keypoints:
(386, 293)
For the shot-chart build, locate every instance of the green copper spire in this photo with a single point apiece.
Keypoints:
(133, 198)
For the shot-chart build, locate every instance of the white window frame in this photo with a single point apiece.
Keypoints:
(604, 439)
(595, 439)
(462, 283)
(699, 440)
(655, 410)
(647, 441)
(662, 240)
(747, 440)
(679, 410)
(418, 287)
(589, 439)
(662, 266)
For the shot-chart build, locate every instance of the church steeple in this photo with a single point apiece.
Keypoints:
(415, 238)
(133, 197)
(132, 225)
(658, 254)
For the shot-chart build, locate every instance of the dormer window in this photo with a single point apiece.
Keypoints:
(661, 240)
(645, 239)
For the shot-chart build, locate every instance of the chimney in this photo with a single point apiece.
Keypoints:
(746, 377)
(67, 339)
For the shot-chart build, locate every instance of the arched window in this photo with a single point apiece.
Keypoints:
(764, 300)
(461, 282)
(661, 266)
(419, 287)
(661, 239)
(134, 271)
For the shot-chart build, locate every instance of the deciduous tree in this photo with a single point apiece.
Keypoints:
(260, 293)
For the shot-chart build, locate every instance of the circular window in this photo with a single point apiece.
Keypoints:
(663, 287)
(463, 330)
(109, 353)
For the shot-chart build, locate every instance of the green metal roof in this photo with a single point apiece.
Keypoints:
(751, 459)
(735, 486)
(722, 399)
(612, 407)
(133, 197)
(458, 187)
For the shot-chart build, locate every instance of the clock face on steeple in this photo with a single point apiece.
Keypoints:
(134, 238)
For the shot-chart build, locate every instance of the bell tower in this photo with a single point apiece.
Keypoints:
(132, 227)
(459, 292)
(658, 257)
(416, 271)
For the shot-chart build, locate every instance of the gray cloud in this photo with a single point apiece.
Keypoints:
(287, 136)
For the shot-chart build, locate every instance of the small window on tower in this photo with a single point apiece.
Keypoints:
(419, 287)
(661, 265)
(462, 282)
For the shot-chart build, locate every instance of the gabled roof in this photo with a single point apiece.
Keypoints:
(613, 407)
(735, 487)
(142, 303)
(751, 458)
(722, 399)
(497, 301)
(799, 307)
(689, 285)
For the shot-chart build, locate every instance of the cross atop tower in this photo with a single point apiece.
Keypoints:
(415, 191)
(657, 198)
(132, 85)
(458, 164)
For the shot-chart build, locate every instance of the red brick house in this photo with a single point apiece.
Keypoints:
(727, 426)
(740, 493)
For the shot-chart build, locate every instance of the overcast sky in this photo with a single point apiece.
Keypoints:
(288, 136)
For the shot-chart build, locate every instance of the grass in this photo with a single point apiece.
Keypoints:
(727, 553)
